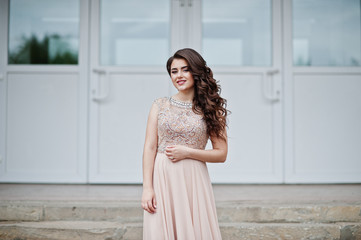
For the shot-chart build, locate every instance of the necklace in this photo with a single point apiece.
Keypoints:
(180, 103)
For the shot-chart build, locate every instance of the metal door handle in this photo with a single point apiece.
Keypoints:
(269, 89)
(97, 94)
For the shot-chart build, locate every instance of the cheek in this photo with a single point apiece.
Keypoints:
(190, 78)
(173, 78)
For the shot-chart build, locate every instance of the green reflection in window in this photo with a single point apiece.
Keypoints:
(326, 33)
(43, 32)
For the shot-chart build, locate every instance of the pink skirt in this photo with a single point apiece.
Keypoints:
(185, 202)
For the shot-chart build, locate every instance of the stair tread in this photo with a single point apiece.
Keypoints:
(113, 224)
(103, 203)
(96, 230)
(132, 212)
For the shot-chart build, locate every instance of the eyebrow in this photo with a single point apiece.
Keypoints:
(181, 67)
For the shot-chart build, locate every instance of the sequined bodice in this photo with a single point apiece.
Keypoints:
(179, 125)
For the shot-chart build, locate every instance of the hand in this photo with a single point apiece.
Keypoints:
(177, 152)
(149, 203)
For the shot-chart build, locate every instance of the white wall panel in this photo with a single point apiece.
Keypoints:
(251, 156)
(327, 129)
(42, 123)
(120, 126)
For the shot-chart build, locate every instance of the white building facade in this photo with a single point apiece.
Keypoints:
(78, 77)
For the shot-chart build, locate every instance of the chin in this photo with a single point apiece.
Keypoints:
(183, 89)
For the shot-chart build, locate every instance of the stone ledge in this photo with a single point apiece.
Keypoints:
(131, 212)
(70, 230)
(94, 230)
(290, 231)
(289, 213)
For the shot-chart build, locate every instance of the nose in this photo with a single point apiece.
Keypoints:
(179, 74)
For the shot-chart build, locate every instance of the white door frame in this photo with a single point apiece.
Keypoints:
(184, 35)
(82, 118)
(276, 72)
(4, 6)
(186, 24)
(99, 89)
(289, 71)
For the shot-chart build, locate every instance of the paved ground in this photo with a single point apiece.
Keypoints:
(341, 193)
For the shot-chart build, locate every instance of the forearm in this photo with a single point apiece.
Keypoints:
(148, 167)
(209, 155)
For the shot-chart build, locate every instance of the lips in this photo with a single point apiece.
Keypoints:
(181, 82)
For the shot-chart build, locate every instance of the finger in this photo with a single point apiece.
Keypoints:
(154, 203)
(150, 206)
(145, 207)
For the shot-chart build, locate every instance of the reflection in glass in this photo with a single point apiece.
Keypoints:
(43, 32)
(326, 33)
(237, 32)
(134, 32)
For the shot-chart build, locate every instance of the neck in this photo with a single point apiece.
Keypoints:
(185, 96)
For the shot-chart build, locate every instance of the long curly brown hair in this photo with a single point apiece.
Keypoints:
(207, 99)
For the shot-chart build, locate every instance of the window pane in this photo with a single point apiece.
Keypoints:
(237, 32)
(326, 33)
(134, 32)
(43, 32)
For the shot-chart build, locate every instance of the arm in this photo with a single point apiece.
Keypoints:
(218, 153)
(149, 153)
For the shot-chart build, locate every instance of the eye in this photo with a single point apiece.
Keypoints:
(174, 72)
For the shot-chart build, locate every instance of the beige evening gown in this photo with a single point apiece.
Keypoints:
(185, 203)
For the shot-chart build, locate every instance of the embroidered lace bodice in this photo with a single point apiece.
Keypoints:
(179, 125)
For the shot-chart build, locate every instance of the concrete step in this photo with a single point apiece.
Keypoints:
(131, 212)
(70, 230)
(94, 230)
(288, 213)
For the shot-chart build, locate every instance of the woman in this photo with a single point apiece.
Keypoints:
(177, 193)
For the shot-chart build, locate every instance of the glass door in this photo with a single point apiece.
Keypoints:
(131, 44)
(241, 42)
(323, 111)
(43, 88)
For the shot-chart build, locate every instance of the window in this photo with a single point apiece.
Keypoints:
(237, 32)
(134, 32)
(326, 33)
(43, 32)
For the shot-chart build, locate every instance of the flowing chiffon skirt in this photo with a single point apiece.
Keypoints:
(185, 202)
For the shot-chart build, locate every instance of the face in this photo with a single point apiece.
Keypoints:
(181, 76)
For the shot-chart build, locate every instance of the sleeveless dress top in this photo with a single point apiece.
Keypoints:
(185, 202)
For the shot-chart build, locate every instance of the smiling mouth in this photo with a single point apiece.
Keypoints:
(181, 82)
